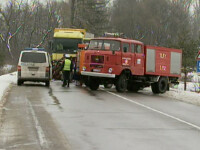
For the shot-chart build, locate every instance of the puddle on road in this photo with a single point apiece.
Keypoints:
(55, 99)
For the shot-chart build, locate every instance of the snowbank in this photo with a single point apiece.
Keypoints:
(191, 86)
(186, 96)
(5, 82)
(6, 69)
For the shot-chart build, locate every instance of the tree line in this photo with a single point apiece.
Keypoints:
(29, 24)
(169, 23)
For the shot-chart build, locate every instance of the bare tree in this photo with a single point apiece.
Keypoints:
(24, 24)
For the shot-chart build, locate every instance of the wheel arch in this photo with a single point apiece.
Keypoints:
(127, 72)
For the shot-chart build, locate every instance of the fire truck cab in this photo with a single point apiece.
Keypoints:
(130, 65)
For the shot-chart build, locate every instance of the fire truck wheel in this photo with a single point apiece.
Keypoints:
(87, 83)
(121, 84)
(129, 87)
(133, 87)
(162, 85)
(107, 86)
(94, 85)
(154, 88)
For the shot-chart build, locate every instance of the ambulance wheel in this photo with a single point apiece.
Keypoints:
(107, 86)
(93, 84)
(47, 83)
(121, 84)
(162, 85)
(20, 82)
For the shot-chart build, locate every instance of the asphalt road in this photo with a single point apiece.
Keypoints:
(76, 118)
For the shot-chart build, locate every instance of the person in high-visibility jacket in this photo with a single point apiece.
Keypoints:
(67, 69)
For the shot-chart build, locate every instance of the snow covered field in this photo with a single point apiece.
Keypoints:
(5, 83)
(6, 69)
(177, 93)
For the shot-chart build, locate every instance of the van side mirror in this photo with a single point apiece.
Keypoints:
(50, 45)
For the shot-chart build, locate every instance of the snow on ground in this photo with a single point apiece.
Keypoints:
(186, 96)
(177, 93)
(6, 69)
(5, 82)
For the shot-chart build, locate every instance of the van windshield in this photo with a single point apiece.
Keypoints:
(108, 45)
(33, 57)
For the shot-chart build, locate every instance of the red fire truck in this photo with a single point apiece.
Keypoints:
(130, 65)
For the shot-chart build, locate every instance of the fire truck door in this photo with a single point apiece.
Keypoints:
(139, 60)
(126, 55)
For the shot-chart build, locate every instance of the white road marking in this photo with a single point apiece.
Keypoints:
(40, 132)
(19, 145)
(155, 110)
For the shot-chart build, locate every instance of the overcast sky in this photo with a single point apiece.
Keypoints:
(3, 2)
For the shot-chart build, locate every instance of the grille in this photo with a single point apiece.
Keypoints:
(97, 59)
(96, 66)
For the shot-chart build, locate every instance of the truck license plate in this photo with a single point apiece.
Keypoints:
(96, 70)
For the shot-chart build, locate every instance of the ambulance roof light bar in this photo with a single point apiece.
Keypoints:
(35, 49)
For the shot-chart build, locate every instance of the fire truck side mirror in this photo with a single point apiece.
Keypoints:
(86, 47)
(113, 52)
(81, 46)
(125, 49)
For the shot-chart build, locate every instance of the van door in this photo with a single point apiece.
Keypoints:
(126, 55)
(33, 65)
(139, 59)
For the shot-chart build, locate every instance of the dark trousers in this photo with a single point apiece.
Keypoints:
(66, 78)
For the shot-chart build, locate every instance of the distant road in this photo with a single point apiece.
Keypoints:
(77, 118)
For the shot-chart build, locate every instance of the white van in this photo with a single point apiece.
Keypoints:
(34, 65)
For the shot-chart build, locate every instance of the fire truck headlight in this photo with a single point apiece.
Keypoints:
(110, 70)
(84, 68)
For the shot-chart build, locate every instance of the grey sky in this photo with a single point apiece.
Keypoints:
(3, 2)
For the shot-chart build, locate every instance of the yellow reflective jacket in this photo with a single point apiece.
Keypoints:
(67, 66)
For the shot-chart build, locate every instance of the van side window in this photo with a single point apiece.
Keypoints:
(125, 47)
(133, 48)
(138, 49)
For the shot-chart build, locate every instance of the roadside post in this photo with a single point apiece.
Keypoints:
(198, 63)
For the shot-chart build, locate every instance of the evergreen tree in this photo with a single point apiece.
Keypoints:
(90, 15)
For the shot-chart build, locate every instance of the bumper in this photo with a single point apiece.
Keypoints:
(95, 74)
(34, 79)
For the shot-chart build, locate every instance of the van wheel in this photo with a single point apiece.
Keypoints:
(93, 84)
(47, 83)
(19, 82)
(121, 84)
(108, 86)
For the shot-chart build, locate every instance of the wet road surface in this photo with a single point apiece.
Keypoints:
(76, 118)
(26, 125)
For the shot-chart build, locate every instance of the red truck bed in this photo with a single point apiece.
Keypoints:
(163, 61)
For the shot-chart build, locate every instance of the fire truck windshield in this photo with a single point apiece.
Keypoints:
(107, 45)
